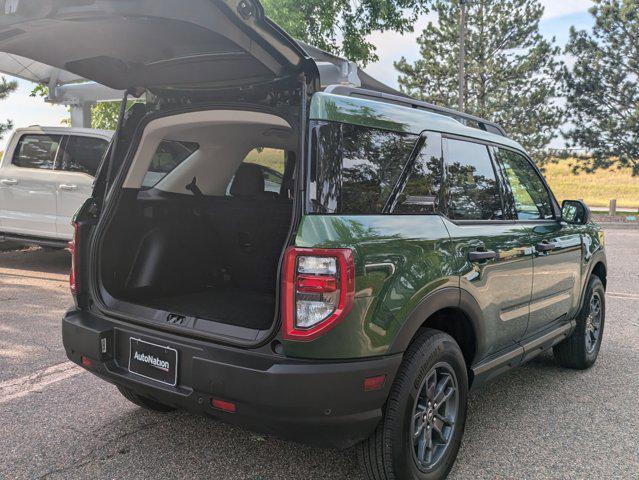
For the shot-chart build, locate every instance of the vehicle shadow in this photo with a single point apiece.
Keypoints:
(37, 260)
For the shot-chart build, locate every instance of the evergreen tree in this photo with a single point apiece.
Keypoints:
(603, 87)
(342, 26)
(511, 70)
(6, 88)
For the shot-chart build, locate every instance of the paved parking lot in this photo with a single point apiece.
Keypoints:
(540, 422)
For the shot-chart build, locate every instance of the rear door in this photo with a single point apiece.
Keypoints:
(151, 43)
(494, 253)
(78, 163)
(28, 188)
(557, 246)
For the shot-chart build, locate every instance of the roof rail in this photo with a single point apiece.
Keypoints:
(464, 118)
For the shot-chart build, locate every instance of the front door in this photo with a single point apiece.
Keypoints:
(494, 253)
(27, 187)
(557, 246)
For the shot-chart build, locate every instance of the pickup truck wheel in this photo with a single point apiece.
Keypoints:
(423, 424)
(144, 402)
(580, 350)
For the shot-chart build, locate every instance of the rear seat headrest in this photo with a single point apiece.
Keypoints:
(248, 181)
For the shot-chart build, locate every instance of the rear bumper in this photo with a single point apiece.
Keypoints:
(317, 403)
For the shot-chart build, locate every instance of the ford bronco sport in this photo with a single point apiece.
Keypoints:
(332, 262)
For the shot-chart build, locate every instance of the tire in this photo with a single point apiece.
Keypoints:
(144, 402)
(580, 350)
(391, 453)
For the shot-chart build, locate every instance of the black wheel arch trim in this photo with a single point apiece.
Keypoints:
(598, 257)
(449, 297)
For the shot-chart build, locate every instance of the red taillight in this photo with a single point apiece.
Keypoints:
(223, 405)
(319, 289)
(86, 362)
(74, 275)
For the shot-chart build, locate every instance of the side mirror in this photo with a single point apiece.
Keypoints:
(575, 212)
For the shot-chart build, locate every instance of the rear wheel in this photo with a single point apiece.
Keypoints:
(144, 402)
(580, 350)
(424, 421)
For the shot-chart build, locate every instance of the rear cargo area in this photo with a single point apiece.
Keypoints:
(202, 221)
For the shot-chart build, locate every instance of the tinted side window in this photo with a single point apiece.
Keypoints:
(421, 192)
(472, 190)
(356, 168)
(37, 151)
(84, 154)
(167, 157)
(532, 201)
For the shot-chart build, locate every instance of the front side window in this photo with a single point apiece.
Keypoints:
(421, 192)
(37, 151)
(83, 154)
(356, 168)
(472, 189)
(532, 201)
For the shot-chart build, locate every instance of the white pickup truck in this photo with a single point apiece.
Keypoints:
(46, 174)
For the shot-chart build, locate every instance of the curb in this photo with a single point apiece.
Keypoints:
(619, 226)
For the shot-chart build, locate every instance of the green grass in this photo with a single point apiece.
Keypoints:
(596, 189)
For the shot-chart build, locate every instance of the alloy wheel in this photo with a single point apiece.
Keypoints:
(593, 322)
(434, 416)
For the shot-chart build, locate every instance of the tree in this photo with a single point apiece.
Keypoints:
(603, 88)
(6, 88)
(342, 26)
(511, 70)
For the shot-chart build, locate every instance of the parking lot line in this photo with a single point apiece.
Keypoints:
(36, 382)
(627, 296)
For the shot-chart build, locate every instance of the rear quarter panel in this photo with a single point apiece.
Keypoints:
(398, 261)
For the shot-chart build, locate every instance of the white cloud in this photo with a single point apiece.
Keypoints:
(560, 8)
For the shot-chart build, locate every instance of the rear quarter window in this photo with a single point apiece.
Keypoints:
(169, 155)
(355, 169)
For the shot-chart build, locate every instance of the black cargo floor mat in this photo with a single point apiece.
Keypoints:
(229, 306)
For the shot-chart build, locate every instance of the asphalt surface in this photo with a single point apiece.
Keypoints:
(538, 422)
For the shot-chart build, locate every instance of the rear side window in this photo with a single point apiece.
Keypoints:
(37, 151)
(532, 201)
(83, 154)
(472, 190)
(356, 169)
(421, 192)
(272, 163)
(169, 155)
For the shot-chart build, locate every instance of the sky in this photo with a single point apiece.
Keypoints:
(559, 16)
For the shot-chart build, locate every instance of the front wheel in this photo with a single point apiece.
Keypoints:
(580, 350)
(425, 416)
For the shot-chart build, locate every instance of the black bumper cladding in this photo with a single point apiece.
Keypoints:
(322, 404)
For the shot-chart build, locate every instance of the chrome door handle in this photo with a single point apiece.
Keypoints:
(69, 188)
(7, 181)
(482, 255)
(545, 247)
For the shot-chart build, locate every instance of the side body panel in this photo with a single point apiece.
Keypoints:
(399, 261)
(501, 287)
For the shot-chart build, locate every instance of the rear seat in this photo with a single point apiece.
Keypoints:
(253, 226)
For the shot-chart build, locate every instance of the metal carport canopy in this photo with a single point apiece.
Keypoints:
(65, 88)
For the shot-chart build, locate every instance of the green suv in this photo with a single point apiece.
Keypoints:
(280, 241)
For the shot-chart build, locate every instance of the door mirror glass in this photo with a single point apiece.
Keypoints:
(575, 212)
